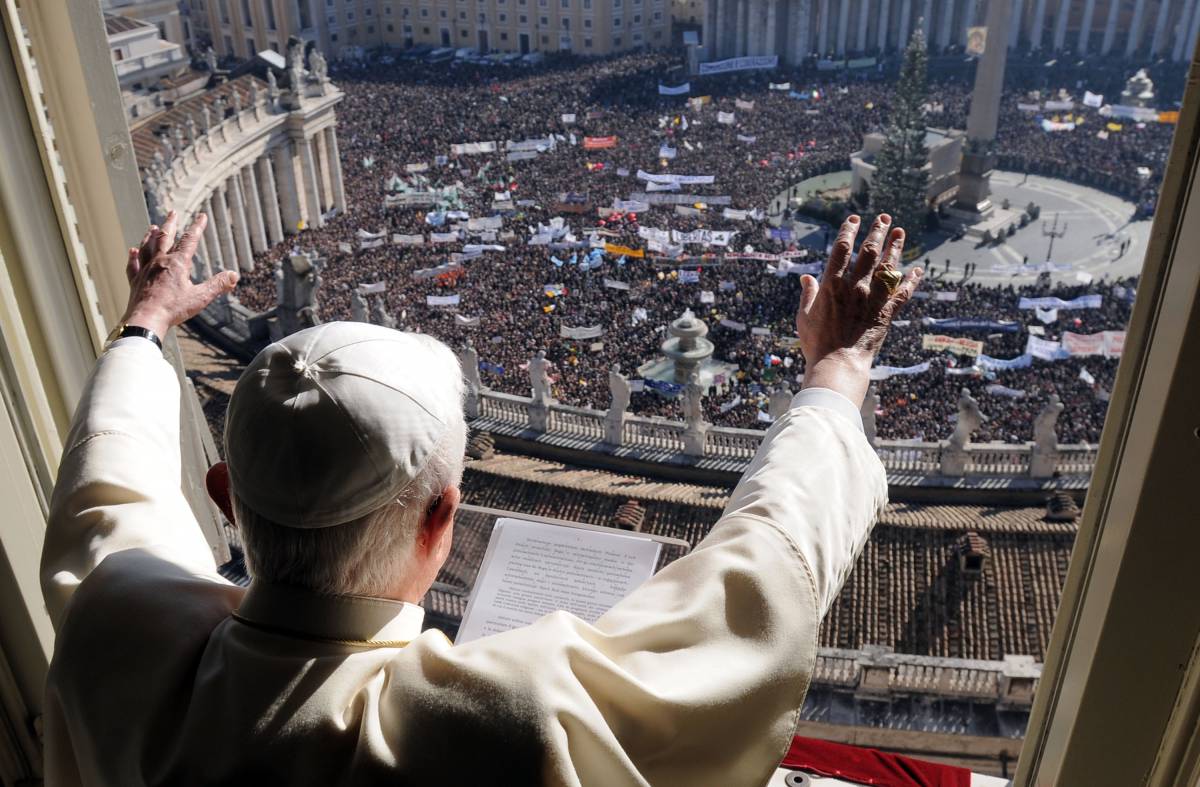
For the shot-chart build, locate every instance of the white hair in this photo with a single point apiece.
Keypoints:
(365, 556)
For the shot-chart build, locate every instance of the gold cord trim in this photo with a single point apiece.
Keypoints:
(357, 643)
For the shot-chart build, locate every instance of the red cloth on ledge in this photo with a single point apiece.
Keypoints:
(870, 766)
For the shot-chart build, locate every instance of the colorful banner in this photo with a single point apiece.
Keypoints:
(1082, 302)
(958, 324)
(953, 344)
(626, 251)
(599, 143)
(1109, 344)
(739, 64)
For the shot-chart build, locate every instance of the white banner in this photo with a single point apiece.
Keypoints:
(1001, 390)
(1044, 349)
(1093, 100)
(408, 240)
(739, 64)
(373, 289)
(525, 146)
(568, 118)
(734, 215)
(678, 180)
(413, 168)
(473, 148)
(1060, 106)
(728, 118)
(1143, 114)
(630, 206)
(443, 237)
(345, 248)
(521, 155)
(684, 210)
(733, 326)
(1047, 316)
(780, 86)
(465, 321)
(708, 296)
(1029, 107)
(749, 139)
(732, 403)
(757, 331)
(884, 372)
(746, 106)
(662, 187)
(678, 90)
(681, 199)
(590, 332)
(441, 300)
(484, 223)
(364, 235)
(704, 237)
(1082, 302)
(613, 284)
(371, 244)
(666, 151)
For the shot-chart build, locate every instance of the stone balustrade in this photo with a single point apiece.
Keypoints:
(661, 436)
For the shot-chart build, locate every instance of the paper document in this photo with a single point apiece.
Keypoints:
(534, 568)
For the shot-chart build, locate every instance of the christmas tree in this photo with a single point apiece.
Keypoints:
(901, 179)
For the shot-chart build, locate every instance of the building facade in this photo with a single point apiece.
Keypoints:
(141, 59)
(797, 29)
(346, 27)
(166, 15)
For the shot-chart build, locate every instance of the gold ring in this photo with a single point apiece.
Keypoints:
(890, 277)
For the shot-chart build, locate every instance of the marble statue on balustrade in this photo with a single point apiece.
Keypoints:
(539, 383)
(468, 358)
(297, 281)
(619, 393)
(255, 94)
(192, 133)
(177, 138)
(969, 419)
(206, 118)
(154, 202)
(210, 59)
(379, 313)
(295, 69)
(320, 69)
(1139, 90)
(358, 307)
(867, 411)
(695, 428)
(272, 87)
(235, 96)
(1044, 460)
(779, 402)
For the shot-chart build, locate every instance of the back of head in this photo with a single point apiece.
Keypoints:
(338, 438)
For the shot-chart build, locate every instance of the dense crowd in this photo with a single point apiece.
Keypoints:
(410, 113)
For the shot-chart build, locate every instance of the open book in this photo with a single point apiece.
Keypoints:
(533, 568)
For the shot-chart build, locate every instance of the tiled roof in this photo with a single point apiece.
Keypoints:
(147, 139)
(114, 24)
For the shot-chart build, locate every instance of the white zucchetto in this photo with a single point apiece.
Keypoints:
(332, 422)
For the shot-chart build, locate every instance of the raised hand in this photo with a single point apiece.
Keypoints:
(843, 319)
(161, 292)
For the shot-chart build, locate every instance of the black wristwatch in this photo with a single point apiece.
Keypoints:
(122, 330)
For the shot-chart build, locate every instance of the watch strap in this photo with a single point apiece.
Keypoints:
(137, 330)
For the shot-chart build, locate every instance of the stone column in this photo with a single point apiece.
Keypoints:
(1193, 32)
(215, 261)
(224, 230)
(1060, 24)
(739, 43)
(311, 184)
(335, 169)
(843, 28)
(254, 212)
(270, 199)
(1039, 25)
(1160, 27)
(1110, 28)
(1085, 27)
(290, 204)
(1183, 31)
(753, 27)
(709, 32)
(203, 268)
(905, 25)
(823, 28)
(323, 169)
(803, 42)
(771, 43)
(885, 13)
(927, 15)
(864, 10)
(1014, 30)
(945, 24)
(968, 20)
(1135, 27)
(241, 230)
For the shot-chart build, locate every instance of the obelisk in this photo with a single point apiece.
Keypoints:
(978, 155)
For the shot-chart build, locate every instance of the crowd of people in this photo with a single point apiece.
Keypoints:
(410, 113)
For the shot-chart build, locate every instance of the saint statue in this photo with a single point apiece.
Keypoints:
(210, 58)
(358, 307)
(693, 402)
(618, 387)
(1045, 435)
(539, 378)
(469, 359)
(969, 419)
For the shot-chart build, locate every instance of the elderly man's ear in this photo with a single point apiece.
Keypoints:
(217, 483)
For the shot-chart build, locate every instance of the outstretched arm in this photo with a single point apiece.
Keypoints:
(119, 481)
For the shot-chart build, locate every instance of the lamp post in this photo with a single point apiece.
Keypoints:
(1053, 232)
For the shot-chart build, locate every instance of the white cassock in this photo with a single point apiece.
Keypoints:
(165, 673)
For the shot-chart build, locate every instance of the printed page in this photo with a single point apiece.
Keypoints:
(532, 568)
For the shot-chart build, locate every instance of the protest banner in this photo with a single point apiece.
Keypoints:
(599, 143)
(749, 139)
(733, 325)
(885, 372)
(726, 118)
(954, 344)
(465, 321)
(625, 251)
(589, 332)
(1045, 349)
(1109, 344)
(745, 106)
(678, 180)
(1082, 302)
(374, 288)
(613, 284)
(958, 324)
(995, 389)
(472, 148)
(677, 90)
(1023, 361)
(441, 300)
(739, 64)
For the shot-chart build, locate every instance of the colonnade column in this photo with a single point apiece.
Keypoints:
(1135, 27)
(241, 232)
(823, 28)
(206, 269)
(945, 23)
(1039, 25)
(224, 230)
(323, 171)
(772, 38)
(290, 204)
(1060, 24)
(270, 198)
(843, 28)
(860, 41)
(1187, 42)
(215, 260)
(1160, 27)
(927, 16)
(312, 187)
(1014, 23)
(802, 32)
(885, 12)
(1085, 27)
(905, 23)
(254, 211)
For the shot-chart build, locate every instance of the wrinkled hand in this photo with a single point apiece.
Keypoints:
(844, 319)
(161, 292)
